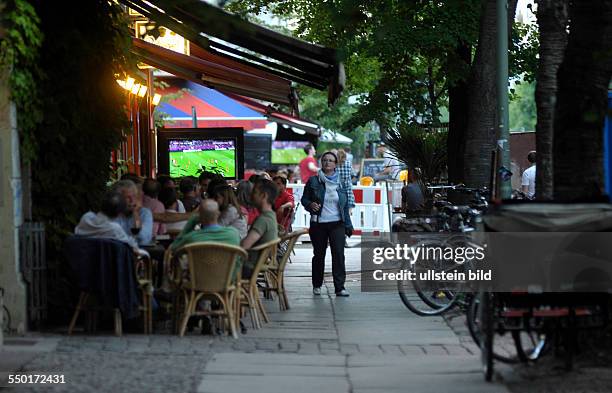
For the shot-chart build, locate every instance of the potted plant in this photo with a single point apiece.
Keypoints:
(422, 148)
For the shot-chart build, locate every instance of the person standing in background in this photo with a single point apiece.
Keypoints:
(345, 171)
(392, 167)
(529, 176)
(349, 156)
(308, 166)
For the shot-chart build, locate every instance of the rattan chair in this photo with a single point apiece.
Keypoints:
(212, 272)
(250, 293)
(275, 273)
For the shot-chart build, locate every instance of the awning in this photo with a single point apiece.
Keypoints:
(290, 121)
(227, 35)
(334, 137)
(217, 76)
(212, 108)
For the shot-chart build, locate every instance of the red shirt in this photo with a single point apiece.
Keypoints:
(282, 216)
(251, 214)
(305, 172)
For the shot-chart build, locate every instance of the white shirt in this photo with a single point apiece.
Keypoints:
(391, 161)
(100, 226)
(528, 180)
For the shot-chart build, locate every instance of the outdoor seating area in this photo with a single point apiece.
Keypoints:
(195, 279)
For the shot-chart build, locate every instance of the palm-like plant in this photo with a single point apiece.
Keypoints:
(418, 147)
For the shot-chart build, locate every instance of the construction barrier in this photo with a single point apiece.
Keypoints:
(371, 212)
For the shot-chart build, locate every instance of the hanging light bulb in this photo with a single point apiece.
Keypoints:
(142, 91)
(156, 99)
(135, 88)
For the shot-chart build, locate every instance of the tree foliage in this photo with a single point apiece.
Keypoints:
(522, 108)
(420, 148)
(85, 49)
(400, 53)
(20, 42)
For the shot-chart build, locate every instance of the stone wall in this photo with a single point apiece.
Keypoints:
(10, 210)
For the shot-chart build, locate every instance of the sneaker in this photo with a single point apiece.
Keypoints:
(343, 293)
(316, 291)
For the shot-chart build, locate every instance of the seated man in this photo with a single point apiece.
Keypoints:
(138, 220)
(412, 195)
(265, 228)
(150, 190)
(190, 199)
(103, 224)
(210, 230)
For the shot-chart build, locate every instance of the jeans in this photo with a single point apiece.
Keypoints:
(320, 235)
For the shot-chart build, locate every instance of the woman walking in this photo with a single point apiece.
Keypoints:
(326, 198)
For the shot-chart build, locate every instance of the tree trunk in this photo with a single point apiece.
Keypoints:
(581, 105)
(552, 23)
(482, 111)
(433, 98)
(457, 126)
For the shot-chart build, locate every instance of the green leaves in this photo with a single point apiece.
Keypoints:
(19, 51)
(422, 148)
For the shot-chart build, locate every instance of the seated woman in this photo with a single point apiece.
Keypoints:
(168, 197)
(284, 204)
(231, 215)
(243, 193)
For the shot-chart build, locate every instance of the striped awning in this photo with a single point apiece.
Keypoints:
(212, 108)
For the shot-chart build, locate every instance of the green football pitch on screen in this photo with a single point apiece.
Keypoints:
(189, 163)
(287, 156)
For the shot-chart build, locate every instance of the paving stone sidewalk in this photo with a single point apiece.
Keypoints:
(368, 342)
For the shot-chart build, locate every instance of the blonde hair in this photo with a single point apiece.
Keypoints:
(341, 157)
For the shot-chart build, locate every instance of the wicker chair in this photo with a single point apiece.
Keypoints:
(275, 273)
(213, 271)
(250, 293)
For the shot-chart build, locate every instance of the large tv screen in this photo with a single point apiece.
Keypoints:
(188, 157)
(288, 152)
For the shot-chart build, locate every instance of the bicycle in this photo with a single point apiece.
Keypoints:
(429, 299)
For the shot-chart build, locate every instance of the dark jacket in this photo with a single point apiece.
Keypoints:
(105, 267)
(314, 191)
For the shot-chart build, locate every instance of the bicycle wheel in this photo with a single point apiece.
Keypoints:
(502, 349)
(418, 296)
(412, 299)
(441, 298)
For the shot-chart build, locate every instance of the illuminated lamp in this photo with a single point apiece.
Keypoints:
(135, 88)
(129, 83)
(142, 91)
(156, 99)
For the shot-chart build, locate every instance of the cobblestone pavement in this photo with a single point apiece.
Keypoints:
(368, 342)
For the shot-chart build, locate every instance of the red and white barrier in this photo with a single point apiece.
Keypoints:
(369, 215)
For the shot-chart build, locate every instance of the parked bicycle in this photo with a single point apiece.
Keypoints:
(454, 223)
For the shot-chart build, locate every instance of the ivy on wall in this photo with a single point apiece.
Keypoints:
(20, 43)
(87, 45)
